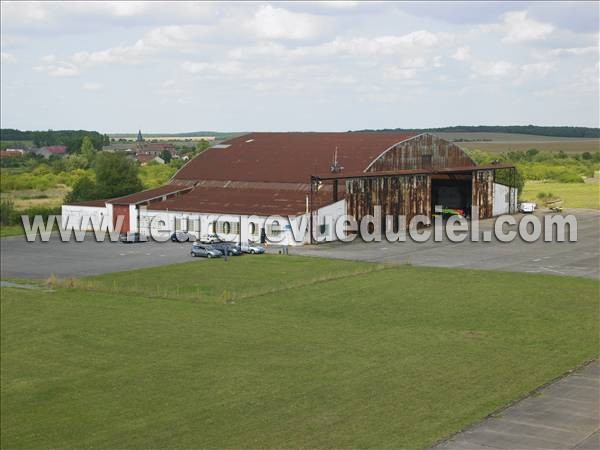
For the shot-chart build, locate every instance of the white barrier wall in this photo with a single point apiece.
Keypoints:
(83, 217)
(502, 198)
(166, 222)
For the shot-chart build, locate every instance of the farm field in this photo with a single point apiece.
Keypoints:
(504, 142)
(574, 195)
(275, 351)
(27, 198)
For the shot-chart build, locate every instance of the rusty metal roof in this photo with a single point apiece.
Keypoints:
(442, 170)
(288, 157)
(149, 194)
(96, 203)
(262, 202)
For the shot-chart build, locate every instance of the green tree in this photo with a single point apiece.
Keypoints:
(531, 153)
(202, 145)
(87, 149)
(75, 161)
(83, 189)
(166, 156)
(116, 175)
(105, 140)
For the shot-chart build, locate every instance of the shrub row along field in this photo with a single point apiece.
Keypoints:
(570, 146)
(279, 352)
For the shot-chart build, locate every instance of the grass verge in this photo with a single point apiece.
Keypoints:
(324, 354)
(11, 230)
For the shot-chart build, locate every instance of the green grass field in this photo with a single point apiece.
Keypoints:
(281, 352)
(574, 195)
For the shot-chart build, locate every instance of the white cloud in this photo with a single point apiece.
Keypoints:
(574, 51)
(7, 57)
(518, 27)
(386, 45)
(53, 68)
(537, 69)
(399, 73)
(224, 68)
(462, 53)
(152, 43)
(493, 69)
(409, 68)
(91, 86)
(413, 43)
(68, 17)
(233, 69)
(271, 22)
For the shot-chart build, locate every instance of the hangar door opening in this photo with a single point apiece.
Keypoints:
(452, 192)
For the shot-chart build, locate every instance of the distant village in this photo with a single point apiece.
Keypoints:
(142, 150)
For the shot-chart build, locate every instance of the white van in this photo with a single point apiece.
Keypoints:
(527, 207)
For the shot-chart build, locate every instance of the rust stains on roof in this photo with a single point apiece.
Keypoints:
(150, 195)
(443, 170)
(262, 202)
(288, 157)
(94, 203)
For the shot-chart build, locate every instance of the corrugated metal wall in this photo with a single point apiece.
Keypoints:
(422, 152)
(483, 192)
(406, 195)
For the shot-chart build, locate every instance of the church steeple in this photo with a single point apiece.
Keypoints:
(139, 136)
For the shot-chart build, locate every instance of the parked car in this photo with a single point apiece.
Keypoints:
(227, 248)
(132, 237)
(182, 236)
(205, 250)
(252, 248)
(527, 207)
(209, 238)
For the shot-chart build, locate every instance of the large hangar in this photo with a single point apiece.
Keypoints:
(313, 175)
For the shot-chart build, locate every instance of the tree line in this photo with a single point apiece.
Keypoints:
(72, 139)
(560, 131)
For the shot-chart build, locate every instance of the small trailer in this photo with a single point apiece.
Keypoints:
(554, 205)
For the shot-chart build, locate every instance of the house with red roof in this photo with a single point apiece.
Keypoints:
(51, 150)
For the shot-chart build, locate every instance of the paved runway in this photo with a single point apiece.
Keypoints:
(581, 258)
(563, 415)
(23, 259)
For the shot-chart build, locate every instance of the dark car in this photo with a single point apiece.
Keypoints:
(182, 236)
(228, 248)
(132, 237)
(205, 250)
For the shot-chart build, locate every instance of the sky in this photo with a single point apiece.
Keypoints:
(168, 67)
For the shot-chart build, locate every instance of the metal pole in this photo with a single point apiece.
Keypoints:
(310, 208)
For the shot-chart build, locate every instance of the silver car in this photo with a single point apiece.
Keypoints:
(205, 250)
(252, 248)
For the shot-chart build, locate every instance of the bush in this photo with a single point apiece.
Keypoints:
(570, 178)
(7, 211)
(11, 216)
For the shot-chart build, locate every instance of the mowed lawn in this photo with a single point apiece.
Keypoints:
(282, 352)
(574, 195)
